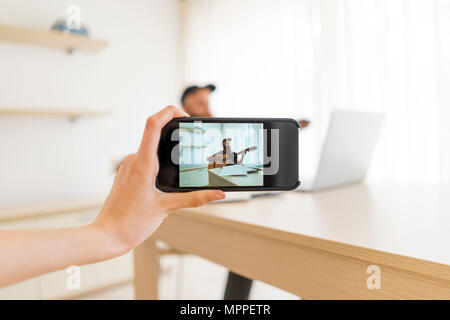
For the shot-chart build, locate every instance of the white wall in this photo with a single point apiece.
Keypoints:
(304, 58)
(47, 159)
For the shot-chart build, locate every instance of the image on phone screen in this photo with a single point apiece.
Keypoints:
(221, 154)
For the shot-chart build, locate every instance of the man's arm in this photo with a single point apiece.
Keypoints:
(244, 152)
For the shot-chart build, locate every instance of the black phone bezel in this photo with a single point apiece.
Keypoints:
(285, 179)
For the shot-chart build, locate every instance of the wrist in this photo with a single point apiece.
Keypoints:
(110, 244)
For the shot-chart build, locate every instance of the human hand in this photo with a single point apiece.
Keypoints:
(303, 123)
(135, 208)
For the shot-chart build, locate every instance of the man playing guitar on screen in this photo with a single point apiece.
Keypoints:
(227, 157)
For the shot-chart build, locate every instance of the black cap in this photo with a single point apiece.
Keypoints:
(192, 89)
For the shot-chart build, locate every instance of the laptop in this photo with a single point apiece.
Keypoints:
(347, 151)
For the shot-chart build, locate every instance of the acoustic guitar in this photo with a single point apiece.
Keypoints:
(227, 159)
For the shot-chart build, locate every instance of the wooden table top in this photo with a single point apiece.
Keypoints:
(402, 218)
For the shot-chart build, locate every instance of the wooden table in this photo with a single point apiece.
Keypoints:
(252, 179)
(320, 245)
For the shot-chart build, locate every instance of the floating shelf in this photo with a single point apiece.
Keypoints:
(195, 130)
(8, 214)
(69, 114)
(196, 147)
(55, 39)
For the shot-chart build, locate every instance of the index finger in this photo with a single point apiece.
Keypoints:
(152, 133)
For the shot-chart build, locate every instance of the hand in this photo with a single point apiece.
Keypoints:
(303, 123)
(132, 212)
(244, 151)
(135, 208)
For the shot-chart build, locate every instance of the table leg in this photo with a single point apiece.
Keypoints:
(146, 267)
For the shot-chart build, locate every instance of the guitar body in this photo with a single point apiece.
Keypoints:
(214, 165)
(227, 159)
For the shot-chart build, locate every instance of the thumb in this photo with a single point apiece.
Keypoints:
(191, 199)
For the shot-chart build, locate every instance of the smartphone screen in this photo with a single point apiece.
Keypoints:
(231, 154)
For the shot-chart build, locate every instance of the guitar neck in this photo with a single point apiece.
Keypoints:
(247, 150)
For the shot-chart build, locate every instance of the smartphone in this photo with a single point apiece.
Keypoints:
(231, 154)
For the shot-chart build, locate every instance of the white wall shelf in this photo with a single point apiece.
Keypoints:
(13, 213)
(69, 114)
(196, 147)
(195, 130)
(48, 38)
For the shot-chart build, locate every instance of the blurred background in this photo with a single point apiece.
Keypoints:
(70, 108)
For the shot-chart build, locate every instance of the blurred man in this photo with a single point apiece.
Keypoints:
(195, 101)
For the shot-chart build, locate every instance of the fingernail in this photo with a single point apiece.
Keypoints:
(220, 194)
